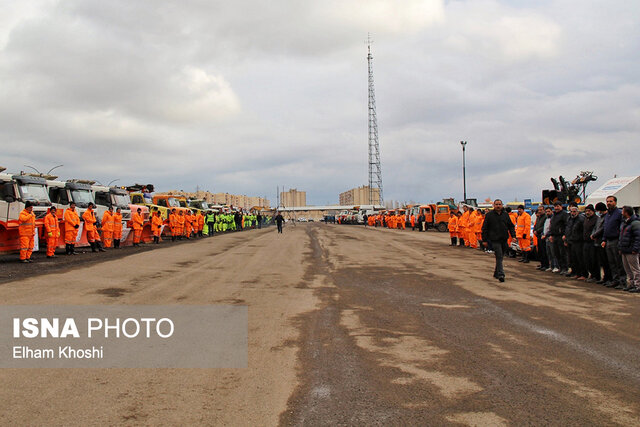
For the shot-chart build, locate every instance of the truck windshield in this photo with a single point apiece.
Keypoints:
(173, 202)
(34, 193)
(121, 201)
(82, 198)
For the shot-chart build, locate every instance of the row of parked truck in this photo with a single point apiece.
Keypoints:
(436, 215)
(45, 191)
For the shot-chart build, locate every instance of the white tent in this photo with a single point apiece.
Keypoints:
(626, 189)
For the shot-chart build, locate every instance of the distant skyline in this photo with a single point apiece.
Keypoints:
(204, 94)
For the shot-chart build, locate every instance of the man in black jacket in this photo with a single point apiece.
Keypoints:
(629, 247)
(574, 240)
(596, 238)
(497, 228)
(556, 232)
(538, 231)
(589, 250)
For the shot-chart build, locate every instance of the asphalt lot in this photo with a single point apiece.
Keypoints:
(348, 326)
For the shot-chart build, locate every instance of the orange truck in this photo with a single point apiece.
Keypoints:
(436, 216)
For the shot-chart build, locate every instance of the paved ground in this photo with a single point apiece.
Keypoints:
(350, 326)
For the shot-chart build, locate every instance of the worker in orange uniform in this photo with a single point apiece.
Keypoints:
(107, 227)
(200, 218)
(513, 216)
(27, 231)
(453, 229)
(471, 228)
(89, 218)
(413, 222)
(173, 224)
(478, 228)
(117, 228)
(463, 225)
(523, 233)
(137, 221)
(71, 225)
(188, 224)
(401, 221)
(156, 226)
(51, 231)
(181, 223)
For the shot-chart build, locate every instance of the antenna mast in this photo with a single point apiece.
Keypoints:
(375, 171)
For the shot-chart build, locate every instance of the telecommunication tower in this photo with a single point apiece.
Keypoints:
(375, 171)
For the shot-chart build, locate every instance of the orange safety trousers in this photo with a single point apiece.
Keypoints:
(107, 236)
(26, 247)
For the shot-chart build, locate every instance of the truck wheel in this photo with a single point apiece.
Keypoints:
(442, 227)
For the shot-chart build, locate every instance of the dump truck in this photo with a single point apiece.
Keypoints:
(15, 191)
(436, 216)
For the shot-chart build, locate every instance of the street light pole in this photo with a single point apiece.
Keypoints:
(464, 172)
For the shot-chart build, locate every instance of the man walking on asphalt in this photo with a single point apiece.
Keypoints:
(279, 220)
(496, 229)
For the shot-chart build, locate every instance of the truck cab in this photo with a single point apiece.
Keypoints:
(199, 205)
(63, 193)
(112, 196)
(436, 216)
(15, 191)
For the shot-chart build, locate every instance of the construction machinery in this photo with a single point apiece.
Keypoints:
(566, 192)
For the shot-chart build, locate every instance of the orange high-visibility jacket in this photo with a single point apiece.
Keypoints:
(453, 224)
(463, 221)
(137, 221)
(27, 223)
(107, 222)
(51, 225)
(117, 223)
(156, 222)
(89, 220)
(479, 223)
(71, 219)
(523, 226)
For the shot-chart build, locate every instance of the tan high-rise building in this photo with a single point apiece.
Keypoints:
(293, 198)
(359, 196)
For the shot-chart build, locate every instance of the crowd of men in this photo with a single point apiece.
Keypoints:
(107, 232)
(599, 245)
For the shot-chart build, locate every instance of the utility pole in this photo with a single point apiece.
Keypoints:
(464, 172)
(375, 170)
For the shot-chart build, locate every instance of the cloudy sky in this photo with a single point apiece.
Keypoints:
(241, 96)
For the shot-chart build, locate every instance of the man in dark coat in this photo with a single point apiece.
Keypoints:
(629, 247)
(279, 220)
(574, 240)
(612, 222)
(556, 232)
(589, 250)
(497, 228)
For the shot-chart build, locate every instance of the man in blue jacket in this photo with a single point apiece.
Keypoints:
(629, 247)
(612, 222)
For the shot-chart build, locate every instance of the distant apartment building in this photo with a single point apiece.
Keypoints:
(359, 196)
(293, 197)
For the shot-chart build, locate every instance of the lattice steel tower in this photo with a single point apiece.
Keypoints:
(375, 171)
